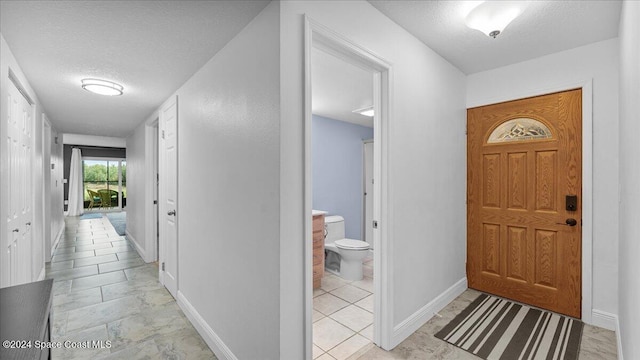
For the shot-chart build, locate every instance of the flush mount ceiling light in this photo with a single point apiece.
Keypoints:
(102, 87)
(368, 111)
(491, 17)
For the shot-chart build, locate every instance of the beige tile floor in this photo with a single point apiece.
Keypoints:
(104, 291)
(343, 315)
(597, 343)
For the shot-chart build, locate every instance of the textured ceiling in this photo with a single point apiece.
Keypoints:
(338, 88)
(150, 47)
(544, 28)
(153, 47)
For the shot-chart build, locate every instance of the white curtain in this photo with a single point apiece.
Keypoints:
(76, 191)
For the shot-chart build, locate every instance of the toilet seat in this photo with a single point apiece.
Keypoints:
(352, 244)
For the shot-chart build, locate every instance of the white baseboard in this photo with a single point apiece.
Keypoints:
(604, 319)
(57, 240)
(216, 344)
(420, 317)
(608, 321)
(136, 245)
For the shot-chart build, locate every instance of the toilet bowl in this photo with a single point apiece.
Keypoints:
(344, 256)
(352, 252)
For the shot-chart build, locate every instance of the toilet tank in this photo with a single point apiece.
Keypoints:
(334, 228)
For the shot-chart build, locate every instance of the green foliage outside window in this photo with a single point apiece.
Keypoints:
(100, 176)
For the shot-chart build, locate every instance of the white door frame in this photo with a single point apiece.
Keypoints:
(364, 189)
(46, 188)
(321, 37)
(151, 199)
(587, 185)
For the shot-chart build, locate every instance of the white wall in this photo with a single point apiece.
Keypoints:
(427, 168)
(7, 60)
(228, 193)
(140, 188)
(598, 61)
(47, 140)
(629, 283)
(136, 190)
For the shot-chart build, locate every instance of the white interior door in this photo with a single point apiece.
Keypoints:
(168, 195)
(368, 193)
(156, 195)
(19, 217)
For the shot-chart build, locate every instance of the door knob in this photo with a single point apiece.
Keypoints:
(172, 212)
(569, 222)
(16, 230)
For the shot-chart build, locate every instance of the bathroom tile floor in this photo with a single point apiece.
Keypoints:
(343, 316)
(104, 291)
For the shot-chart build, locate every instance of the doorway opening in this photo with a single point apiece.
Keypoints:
(337, 302)
(343, 287)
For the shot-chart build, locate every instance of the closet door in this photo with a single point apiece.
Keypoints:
(19, 216)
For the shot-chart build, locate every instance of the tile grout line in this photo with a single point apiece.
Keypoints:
(127, 278)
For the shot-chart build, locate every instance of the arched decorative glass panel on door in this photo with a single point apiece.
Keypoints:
(520, 129)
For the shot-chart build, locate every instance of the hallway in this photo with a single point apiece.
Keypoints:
(104, 291)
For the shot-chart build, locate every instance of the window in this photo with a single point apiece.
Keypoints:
(518, 130)
(105, 184)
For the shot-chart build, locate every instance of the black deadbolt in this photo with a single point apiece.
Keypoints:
(571, 202)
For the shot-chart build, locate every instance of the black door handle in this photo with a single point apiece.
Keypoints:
(569, 222)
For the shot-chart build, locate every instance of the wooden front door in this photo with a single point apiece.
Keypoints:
(524, 171)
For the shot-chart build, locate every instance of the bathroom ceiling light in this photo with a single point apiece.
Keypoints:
(102, 87)
(368, 111)
(491, 17)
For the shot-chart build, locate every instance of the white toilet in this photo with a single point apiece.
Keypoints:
(344, 256)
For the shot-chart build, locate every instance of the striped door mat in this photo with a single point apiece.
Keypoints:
(494, 328)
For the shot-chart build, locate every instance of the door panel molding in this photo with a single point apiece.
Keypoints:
(588, 313)
(168, 195)
(18, 248)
